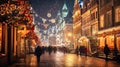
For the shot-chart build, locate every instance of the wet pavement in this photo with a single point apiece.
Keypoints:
(60, 59)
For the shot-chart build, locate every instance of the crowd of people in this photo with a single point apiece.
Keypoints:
(39, 50)
(81, 50)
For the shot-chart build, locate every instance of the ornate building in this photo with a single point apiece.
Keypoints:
(94, 25)
(85, 21)
(109, 25)
(86, 26)
(76, 23)
(100, 25)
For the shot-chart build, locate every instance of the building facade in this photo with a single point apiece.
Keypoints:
(76, 23)
(109, 25)
(100, 25)
(94, 25)
(86, 26)
(12, 14)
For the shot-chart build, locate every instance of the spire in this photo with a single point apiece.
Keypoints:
(65, 10)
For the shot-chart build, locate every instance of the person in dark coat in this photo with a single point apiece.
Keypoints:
(50, 49)
(106, 51)
(38, 53)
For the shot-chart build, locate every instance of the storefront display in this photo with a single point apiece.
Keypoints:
(118, 42)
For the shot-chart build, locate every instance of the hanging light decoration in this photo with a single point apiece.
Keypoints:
(49, 15)
(8, 11)
(13, 12)
(45, 31)
(44, 20)
(52, 20)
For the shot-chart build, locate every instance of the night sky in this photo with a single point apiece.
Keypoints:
(42, 7)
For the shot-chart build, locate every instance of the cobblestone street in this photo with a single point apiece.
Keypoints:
(60, 59)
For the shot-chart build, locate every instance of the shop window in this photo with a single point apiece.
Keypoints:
(117, 14)
(102, 42)
(102, 21)
(118, 43)
(110, 41)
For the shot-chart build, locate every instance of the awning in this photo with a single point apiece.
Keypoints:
(109, 30)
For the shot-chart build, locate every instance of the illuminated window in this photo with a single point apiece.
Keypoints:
(110, 41)
(94, 29)
(102, 21)
(118, 43)
(102, 42)
(117, 14)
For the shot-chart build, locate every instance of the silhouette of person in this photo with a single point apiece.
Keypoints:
(55, 49)
(50, 49)
(38, 53)
(106, 51)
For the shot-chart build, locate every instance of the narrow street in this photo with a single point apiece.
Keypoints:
(87, 27)
(60, 59)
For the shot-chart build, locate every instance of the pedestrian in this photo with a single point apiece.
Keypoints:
(50, 49)
(55, 49)
(106, 51)
(38, 53)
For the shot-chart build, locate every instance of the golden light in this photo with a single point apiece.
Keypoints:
(33, 42)
(70, 34)
(52, 20)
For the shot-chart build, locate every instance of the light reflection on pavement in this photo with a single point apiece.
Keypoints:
(60, 59)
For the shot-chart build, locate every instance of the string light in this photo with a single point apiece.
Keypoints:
(49, 15)
(45, 20)
(53, 20)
